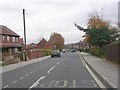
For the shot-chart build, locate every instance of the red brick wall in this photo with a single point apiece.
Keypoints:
(34, 54)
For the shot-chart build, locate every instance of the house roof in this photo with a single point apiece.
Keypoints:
(6, 31)
(44, 44)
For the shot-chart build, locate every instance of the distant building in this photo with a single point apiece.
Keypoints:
(31, 46)
(44, 44)
(9, 40)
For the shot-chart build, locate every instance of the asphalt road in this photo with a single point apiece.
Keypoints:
(67, 71)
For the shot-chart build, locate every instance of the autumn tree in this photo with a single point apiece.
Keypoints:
(99, 31)
(57, 41)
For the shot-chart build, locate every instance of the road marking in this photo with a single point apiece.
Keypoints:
(48, 71)
(61, 86)
(21, 77)
(83, 62)
(38, 68)
(26, 74)
(31, 72)
(51, 69)
(95, 77)
(89, 83)
(74, 84)
(37, 82)
(58, 62)
(47, 84)
(6, 86)
(14, 81)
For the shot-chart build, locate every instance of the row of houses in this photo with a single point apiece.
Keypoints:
(12, 46)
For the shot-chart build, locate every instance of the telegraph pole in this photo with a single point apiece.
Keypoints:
(24, 34)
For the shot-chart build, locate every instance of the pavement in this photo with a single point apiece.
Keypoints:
(10, 67)
(107, 70)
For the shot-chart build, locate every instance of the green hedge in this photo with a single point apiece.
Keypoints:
(97, 51)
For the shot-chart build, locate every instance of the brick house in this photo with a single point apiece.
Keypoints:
(9, 40)
(44, 44)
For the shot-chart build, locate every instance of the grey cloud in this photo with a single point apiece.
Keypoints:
(46, 16)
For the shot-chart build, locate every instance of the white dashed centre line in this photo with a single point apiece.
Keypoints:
(31, 72)
(26, 74)
(37, 82)
(6, 86)
(14, 81)
(21, 77)
(58, 62)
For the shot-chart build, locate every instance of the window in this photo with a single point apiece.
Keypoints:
(16, 50)
(8, 38)
(13, 39)
(3, 38)
(0, 38)
(16, 39)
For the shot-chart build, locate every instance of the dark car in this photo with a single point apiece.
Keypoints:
(55, 53)
(73, 50)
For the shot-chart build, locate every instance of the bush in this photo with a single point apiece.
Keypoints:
(97, 52)
(47, 52)
(87, 50)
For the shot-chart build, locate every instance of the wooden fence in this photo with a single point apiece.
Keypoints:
(112, 53)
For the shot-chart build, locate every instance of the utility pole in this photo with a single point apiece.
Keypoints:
(24, 34)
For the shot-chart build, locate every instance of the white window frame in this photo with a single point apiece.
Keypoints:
(8, 38)
(3, 38)
(13, 39)
(17, 39)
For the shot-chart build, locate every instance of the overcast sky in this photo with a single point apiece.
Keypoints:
(44, 17)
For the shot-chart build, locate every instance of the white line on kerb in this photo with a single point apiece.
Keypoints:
(37, 82)
(6, 86)
(93, 75)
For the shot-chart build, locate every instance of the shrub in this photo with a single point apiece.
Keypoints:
(87, 50)
(97, 51)
(46, 52)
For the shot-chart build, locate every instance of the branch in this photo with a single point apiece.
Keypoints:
(80, 28)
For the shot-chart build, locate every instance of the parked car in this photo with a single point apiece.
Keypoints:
(63, 50)
(55, 53)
